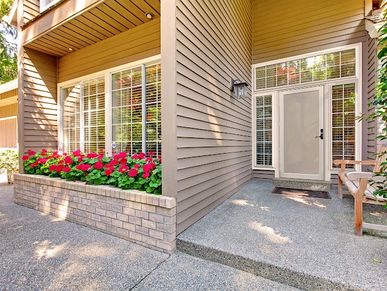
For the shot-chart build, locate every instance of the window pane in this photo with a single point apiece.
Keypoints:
(94, 114)
(343, 122)
(71, 118)
(306, 70)
(263, 130)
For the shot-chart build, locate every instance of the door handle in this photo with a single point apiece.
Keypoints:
(321, 136)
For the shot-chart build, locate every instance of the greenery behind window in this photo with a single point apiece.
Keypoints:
(8, 49)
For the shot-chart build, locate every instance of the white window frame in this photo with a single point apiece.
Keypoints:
(107, 75)
(327, 84)
(45, 4)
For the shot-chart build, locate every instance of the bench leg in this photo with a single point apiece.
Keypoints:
(340, 188)
(359, 206)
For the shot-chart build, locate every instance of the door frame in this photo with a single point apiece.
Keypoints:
(282, 173)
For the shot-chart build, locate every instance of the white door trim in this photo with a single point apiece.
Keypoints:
(282, 173)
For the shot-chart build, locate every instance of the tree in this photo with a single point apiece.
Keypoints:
(8, 49)
(380, 114)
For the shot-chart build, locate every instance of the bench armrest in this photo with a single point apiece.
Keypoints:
(359, 175)
(352, 162)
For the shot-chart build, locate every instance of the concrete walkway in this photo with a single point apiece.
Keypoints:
(40, 252)
(303, 242)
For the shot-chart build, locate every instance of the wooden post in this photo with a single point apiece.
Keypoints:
(359, 206)
(340, 182)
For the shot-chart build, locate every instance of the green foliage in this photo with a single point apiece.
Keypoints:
(9, 163)
(8, 52)
(139, 171)
(380, 114)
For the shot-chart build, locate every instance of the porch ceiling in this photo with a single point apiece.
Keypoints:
(107, 19)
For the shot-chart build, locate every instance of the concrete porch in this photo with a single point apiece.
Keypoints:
(306, 243)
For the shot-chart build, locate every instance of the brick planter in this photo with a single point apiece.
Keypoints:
(146, 219)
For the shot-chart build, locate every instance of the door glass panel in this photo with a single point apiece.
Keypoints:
(301, 125)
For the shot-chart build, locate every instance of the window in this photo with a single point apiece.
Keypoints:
(343, 122)
(317, 68)
(132, 119)
(263, 130)
(45, 4)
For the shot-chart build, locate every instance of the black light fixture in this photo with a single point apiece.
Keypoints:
(239, 89)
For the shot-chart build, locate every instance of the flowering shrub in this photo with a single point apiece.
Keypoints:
(139, 171)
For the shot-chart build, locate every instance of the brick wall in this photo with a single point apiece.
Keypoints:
(146, 219)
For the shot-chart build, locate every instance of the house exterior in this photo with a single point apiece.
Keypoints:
(8, 115)
(150, 75)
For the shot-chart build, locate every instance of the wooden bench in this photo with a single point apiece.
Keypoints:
(362, 192)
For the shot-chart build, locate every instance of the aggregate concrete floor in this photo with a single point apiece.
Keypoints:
(305, 235)
(39, 252)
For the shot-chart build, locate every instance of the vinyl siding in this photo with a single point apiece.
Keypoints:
(291, 28)
(8, 110)
(39, 95)
(135, 44)
(30, 9)
(213, 45)
(372, 74)
(8, 133)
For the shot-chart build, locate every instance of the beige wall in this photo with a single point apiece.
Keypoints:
(30, 9)
(37, 101)
(135, 44)
(8, 133)
(295, 27)
(213, 45)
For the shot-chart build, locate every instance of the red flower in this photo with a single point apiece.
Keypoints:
(139, 156)
(59, 168)
(123, 161)
(43, 152)
(109, 171)
(146, 175)
(98, 165)
(149, 167)
(151, 154)
(133, 172)
(92, 155)
(121, 155)
(31, 152)
(66, 169)
(136, 166)
(52, 168)
(123, 169)
(25, 158)
(77, 153)
(80, 159)
(68, 160)
(42, 160)
(83, 167)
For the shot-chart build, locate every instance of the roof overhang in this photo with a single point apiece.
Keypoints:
(11, 85)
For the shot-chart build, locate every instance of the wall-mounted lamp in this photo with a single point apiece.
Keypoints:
(239, 89)
(149, 15)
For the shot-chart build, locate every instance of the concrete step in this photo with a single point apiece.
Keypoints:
(262, 269)
(314, 185)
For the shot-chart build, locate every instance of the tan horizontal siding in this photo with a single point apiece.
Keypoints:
(213, 42)
(372, 75)
(8, 133)
(31, 9)
(8, 110)
(39, 101)
(140, 42)
(263, 174)
(8, 94)
(296, 27)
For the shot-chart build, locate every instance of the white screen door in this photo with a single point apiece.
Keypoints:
(301, 151)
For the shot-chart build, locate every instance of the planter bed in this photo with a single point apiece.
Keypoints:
(146, 219)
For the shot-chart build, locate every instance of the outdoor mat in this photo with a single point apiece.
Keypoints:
(300, 192)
